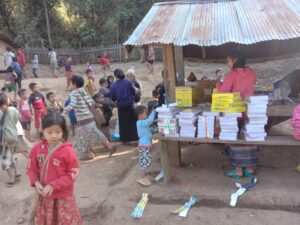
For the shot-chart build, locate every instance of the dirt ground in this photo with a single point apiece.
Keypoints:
(107, 191)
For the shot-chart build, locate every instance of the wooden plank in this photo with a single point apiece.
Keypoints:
(270, 141)
(179, 62)
(169, 72)
(170, 84)
(165, 161)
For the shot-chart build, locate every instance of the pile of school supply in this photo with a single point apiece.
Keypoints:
(229, 126)
(183, 211)
(227, 103)
(254, 128)
(206, 125)
(140, 207)
(185, 96)
(167, 123)
(187, 122)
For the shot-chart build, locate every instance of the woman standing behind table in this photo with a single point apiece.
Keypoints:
(240, 79)
(122, 92)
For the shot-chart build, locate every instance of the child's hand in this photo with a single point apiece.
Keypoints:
(38, 187)
(47, 191)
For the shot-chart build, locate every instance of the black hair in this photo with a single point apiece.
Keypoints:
(155, 93)
(139, 110)
(8, 49)
(218, 70)
(78, 81)
(14, 59)
(240, 57)
(119, 74)
(55, 119)
(3, 99)
(9, 69)
(50, 49)
(108, 77)
(49, 94)
(32, 85)
(97, 96)
(21, 92)
(88, 71)
(103, 80)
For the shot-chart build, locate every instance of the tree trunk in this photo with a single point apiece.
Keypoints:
(47, 23)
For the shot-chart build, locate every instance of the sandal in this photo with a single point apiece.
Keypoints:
(246, 173)
(112, 151)
(143, 181)
(232, 174)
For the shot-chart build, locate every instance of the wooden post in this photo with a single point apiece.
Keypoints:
(179, 62)
(165, 161)
(170, 85)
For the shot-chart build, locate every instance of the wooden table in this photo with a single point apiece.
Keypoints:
(166, 151)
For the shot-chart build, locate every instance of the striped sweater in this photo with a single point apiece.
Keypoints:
(80, 107)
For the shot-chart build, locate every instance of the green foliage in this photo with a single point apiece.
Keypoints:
(72, 22)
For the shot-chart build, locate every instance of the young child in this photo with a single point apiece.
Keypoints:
(37, 105)
(68, 71)
(145, 143)
(110, 81)
(17, 68)
(10, 82)
(107, 112)
(90, 67)
(103, 88)
(89, 83)
(52, 170)
(152, 105)
(104, 62)
(24, 110)
(35, 66)
(54, 105)
(72, 117)
(9, 139)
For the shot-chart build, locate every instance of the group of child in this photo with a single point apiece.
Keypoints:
(52, 166)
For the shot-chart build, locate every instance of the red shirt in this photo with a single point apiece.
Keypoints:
(240, 80)
(61, 172)
(21, 59)
(104, 61)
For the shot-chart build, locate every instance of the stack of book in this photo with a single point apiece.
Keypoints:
(187, 122)
(206, 125)
(167, 122)
(254, 129)
(229, 126)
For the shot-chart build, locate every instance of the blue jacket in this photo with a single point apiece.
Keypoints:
(144, 130)
(123, 93)
(16, 67)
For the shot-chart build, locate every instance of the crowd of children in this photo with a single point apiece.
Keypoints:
(52, 163)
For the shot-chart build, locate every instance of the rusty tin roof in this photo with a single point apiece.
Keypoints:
(214, 23)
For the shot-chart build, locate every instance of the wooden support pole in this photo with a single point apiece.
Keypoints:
(170, 85)
(179, 63)
(165, 161)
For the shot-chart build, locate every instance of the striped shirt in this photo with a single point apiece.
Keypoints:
(78, 104)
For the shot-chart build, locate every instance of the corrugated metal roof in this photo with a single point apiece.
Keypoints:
(216, 23)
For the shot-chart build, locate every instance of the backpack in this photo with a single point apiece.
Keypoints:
(295, 122)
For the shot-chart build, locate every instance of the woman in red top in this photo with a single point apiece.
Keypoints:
(52, 169)
(240, 79)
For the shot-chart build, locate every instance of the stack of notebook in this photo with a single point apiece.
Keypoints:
(187, 122)
(229, 126)
(206, 125)
(167, 123)
(254, 129)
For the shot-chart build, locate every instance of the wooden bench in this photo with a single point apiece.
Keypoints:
(166, 149)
